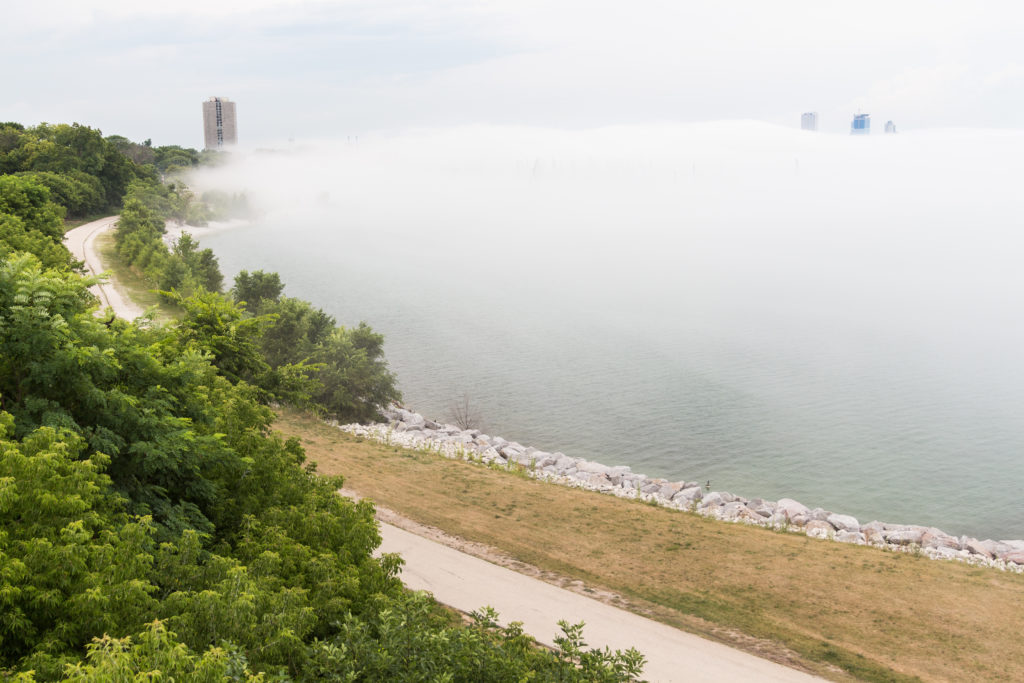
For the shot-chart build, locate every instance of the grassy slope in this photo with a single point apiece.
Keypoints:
(879, 615)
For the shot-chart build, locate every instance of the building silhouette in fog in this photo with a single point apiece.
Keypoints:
(890, 127)
(861, 125)
(809, 120)
(219, 126)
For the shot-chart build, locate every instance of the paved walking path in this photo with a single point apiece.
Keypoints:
(81, 242)
(469, 583)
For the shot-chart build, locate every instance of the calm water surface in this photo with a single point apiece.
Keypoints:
(864, 425)
(856, 344)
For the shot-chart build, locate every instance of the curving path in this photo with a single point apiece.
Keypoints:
(468, 583)
(81, 242)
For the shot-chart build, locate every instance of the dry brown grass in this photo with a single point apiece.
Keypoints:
(877, 615)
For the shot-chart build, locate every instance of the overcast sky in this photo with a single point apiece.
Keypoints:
(307, 69)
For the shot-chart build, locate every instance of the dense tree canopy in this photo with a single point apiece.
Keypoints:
(79, 153)
(351, 379)
(30, 222)
(255, 287)
(183, 267)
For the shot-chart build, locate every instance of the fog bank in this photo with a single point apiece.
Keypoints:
(916, 234)
(816, 316)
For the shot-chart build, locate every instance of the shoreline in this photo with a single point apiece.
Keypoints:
(412, 430)
(786, 513)
(670, 650)
(684, 495)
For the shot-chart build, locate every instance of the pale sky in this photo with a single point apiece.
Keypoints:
(309, 69)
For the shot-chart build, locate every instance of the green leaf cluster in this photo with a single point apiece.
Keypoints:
(31, 222)
(183, 267)
(95, 174)
(350, 376)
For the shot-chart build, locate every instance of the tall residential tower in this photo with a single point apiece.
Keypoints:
(219, 128)
(809, 120)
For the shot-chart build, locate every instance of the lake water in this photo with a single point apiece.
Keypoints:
(833, 320)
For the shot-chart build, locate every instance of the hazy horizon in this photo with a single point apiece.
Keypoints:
(310, 69)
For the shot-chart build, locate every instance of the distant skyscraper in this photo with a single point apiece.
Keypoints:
(861, 124)
(219, 128)
(809, 120)
(890, 127)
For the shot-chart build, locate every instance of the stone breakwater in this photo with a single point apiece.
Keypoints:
(411, 430)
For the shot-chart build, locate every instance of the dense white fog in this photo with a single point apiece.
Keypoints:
(916, 233)
(787, 313)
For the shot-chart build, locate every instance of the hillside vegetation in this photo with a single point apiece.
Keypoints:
(152, 525)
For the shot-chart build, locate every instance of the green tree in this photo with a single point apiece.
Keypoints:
(201, 264)
(185, 267)
(256, 287)
(29, 201)
(352, 380)
(355, 376)
(295, 331)
(156, 653)
(63, 368)
(139, 154)
(66, 548)
(78, 192)
(214, 325)
(30, 222)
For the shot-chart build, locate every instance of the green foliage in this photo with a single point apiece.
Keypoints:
(75, 167)
(61, 367)
(253, 288)
(66, 549)
(200, 264)
(76, 151)
(158, 654)
(409, 640)
(80, 193)
(30, 202)
(165, 201)
(171, 159)
(355, 377)
(139, 238)
(30, 222)
(223, 205)
(140, 154)
(144, 484)
(214, 325)
(295, 332)
(351, 379)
